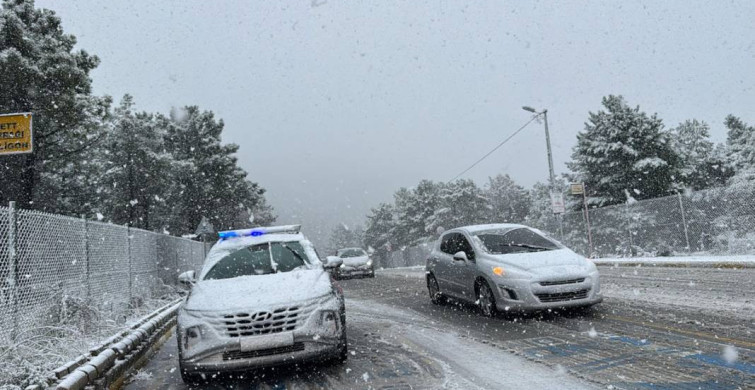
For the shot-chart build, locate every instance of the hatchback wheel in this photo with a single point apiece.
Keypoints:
(432, 287)
(486, 299)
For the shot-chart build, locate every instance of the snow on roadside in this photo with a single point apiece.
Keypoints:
(747, 261)
(404, 272)
(31, 356)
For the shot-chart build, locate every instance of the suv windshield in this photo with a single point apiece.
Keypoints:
(260, 259)
(515, 241)
(353, 252)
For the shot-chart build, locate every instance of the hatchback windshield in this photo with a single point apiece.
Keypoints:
(498, 242)
(352, 252)
(260, 259)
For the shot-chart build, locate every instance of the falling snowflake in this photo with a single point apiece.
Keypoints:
(730, 354)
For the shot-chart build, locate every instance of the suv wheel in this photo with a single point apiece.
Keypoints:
(436, 296)
(486, 299)
(343, 352)
(189, 378)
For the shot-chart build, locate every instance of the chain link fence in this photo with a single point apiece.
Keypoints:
(46, 260)
(718, 221)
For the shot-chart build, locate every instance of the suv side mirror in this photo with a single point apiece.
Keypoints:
(332, 262)
(187, 278)
(460, 256)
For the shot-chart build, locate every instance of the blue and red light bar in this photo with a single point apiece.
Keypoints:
(259, 231)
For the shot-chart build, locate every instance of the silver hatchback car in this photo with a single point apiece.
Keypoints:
(504, 267)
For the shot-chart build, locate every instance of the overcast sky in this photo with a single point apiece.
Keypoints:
(336, 104)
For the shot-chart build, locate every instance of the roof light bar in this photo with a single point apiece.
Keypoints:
(258, 231)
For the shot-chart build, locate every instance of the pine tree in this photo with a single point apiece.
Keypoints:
(208, 181)
(740, 143)
(414, 209)
(701, 165)
(461, 203)
(509, 202)
(136, 169)
(380, 228)
(623, 150)
(41, 73)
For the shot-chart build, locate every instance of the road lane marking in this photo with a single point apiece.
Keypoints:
(704, 336)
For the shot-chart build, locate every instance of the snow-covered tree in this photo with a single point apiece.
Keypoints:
(381, 223)
(623, 150)
(740, 143)
(414, 207)
(508, 201)
(135, 169)
(207, 180)
(701, 165)
(462, 203)
(41, 73)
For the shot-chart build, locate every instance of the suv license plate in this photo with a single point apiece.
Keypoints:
(267, 341)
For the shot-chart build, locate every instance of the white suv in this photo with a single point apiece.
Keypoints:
(262, 298)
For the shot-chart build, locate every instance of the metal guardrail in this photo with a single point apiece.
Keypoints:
(108, 363)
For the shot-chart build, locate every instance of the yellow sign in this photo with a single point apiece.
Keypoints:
(577, 188)
(16, 133)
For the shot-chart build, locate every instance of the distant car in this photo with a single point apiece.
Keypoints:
(263, 298)
(505, 267)
(355, 262)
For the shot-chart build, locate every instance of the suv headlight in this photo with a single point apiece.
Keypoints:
(329, 322)
(192, 336)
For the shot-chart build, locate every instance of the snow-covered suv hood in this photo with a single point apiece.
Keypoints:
(247, 292)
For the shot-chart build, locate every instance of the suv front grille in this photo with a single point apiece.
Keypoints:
(565, 296)
(560, 282)
(262, 322)
(236, 355)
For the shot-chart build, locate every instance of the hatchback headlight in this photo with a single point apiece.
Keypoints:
(369, 263)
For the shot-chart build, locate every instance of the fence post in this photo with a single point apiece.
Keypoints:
(684, 221)
(86, 257)
(13, 266)
(629, 227)
(130, 272)
(175, 243)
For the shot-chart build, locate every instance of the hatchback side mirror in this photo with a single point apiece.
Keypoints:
(187, 278)
(332, 262)
(460, 256)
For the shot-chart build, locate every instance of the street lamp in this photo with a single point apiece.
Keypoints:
(555, 195)
(544, 113)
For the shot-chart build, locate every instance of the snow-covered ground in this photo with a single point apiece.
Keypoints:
(466, 363)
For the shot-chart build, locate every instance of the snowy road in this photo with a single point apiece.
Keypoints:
(658, 328)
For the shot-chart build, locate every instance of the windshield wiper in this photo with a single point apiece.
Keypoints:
(541, 248)
(298, 256)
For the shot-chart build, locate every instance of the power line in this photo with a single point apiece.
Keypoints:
(496, 148)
